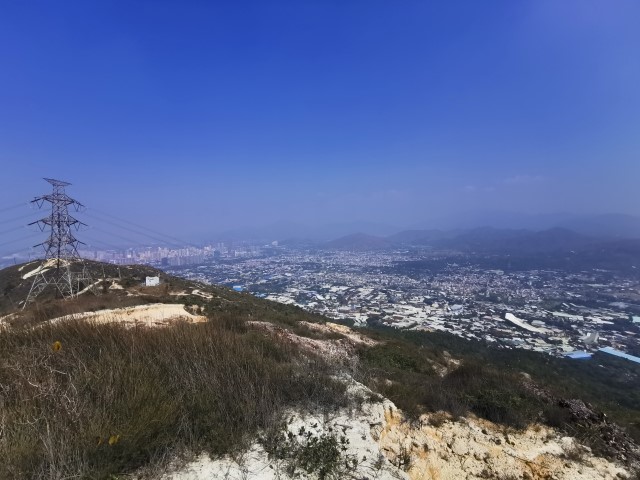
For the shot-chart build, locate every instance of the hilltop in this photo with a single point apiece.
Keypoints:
(16, 280)
(187, 380)
(358, 241)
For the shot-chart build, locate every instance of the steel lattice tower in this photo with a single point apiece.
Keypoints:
(61, 248)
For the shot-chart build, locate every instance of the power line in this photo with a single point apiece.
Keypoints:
(18, 253)
(26, 249)
(20, 239)
(121, 220)
(121, 247)
(21, 217)
(13, 207)
(126, 239)
(19, 227)
(91, 242)
(137, 232)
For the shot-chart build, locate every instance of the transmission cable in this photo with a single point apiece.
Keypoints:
(20, 239)
(138, 232)
(93, 242)
(21, 217)
(13, 207)
(126, 239)
(17, 253)
(135, 233)
(167, 240)
(121, 220)
(20, 227)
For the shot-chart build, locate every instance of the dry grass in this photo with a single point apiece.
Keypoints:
(46, 309)
(112, 399)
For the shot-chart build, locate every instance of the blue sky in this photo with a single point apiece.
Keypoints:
(198, 116)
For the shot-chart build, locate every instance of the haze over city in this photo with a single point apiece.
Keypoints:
(201, 117)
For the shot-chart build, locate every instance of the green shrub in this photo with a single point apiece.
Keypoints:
(323, 455)
(404, 374)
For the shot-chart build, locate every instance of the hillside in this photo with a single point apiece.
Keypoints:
(187, 380)
(478, 240)
(358, 241)
(522, 242)
(16, 281)
(508, 249)
(611, 225)
(420, 237)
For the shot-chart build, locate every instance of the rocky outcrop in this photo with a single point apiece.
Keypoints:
(609, 438)
(353, 428)
(472, 448)
(434, 448)
(605, 436)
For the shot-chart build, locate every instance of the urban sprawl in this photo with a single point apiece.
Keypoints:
(560, 313)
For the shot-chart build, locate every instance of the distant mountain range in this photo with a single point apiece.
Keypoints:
(609, 226)
(485, 240)
(604, 225)
(489, 240)
(552, 248)
(359, 241)
(481, 240)
(291, 232)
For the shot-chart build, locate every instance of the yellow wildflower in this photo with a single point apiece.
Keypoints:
(113, 439)
(57, 346)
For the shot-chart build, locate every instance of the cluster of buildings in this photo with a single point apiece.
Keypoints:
(171, 257)
(543, 310)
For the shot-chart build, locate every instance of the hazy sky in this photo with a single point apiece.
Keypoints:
(209, 115)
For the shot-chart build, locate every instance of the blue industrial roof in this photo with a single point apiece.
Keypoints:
(618, 353)
(579, 355)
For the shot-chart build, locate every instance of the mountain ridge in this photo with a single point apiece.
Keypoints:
(612, 226)
(485, 239)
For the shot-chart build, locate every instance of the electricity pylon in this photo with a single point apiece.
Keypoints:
(61, 248)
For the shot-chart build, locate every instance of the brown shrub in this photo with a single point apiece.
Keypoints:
(112, 399)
